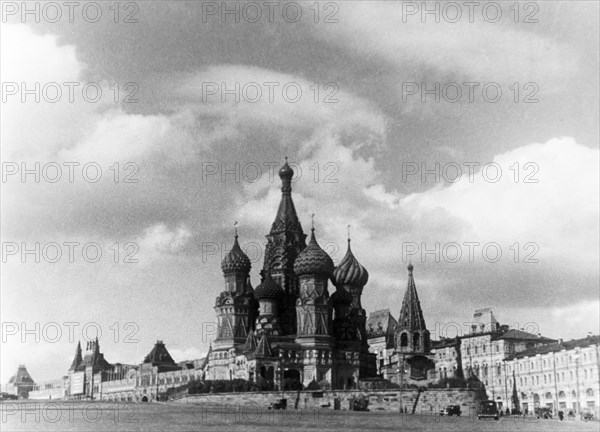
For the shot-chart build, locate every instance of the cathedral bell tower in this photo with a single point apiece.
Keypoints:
(285, 241)
(412, 340)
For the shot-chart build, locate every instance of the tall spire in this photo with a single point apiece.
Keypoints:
(411, 315)
(78, 359)
(286, 218)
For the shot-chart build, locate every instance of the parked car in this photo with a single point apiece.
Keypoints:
(545, 413)
(488, 409)
(281, 404)
(8, 396)
(451, 410)
(587, 416)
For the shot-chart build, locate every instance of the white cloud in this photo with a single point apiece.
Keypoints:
(479, 50)
(188, 353)
(547, 194)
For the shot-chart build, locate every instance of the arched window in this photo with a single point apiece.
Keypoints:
(589, 392)
(561, 394)
(403, 340)
(416, 341)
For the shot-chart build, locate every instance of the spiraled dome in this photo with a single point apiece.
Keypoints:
(268, 289)
(236, 261)
(313, 260)
(349, 271)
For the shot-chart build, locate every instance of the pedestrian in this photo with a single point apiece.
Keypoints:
(561, 415)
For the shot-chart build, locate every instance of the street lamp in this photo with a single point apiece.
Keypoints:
(576, 356)
(401, 373)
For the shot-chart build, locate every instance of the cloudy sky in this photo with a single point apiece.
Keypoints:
(362, 142)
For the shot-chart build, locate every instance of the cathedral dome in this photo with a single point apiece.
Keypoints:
(268, 289)
(286, 172)
(236, 261)
(349, 271)
(313, 260)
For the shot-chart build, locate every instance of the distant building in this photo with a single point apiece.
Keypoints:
(55, 389)
(20, 384)
(560, 376)
(381, 328)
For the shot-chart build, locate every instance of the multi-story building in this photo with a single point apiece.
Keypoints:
(480, 354)
(559, 376)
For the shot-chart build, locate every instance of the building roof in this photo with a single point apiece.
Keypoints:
(286, 218)
(268, 289)
(556, 347)
(411, 315)
(445, 343)
(381, 323)
(236, 261)
(264, 348)
(313, 260)
(514, 334)
(21, 377)
(78, 359)
(159, 356)
(349, 271)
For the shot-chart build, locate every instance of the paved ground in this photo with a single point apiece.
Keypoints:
(67, 416)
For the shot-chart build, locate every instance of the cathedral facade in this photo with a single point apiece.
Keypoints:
(291, 329)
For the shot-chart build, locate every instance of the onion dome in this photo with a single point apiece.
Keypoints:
(268, 289)
(236, 261)
(286, 172)
(349, 271)
(313, 260)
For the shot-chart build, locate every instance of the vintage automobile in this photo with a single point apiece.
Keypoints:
(451, 410)
(8, 396)
(488, 409)
(281, 404)
(587, 416)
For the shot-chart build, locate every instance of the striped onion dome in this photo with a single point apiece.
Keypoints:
(349, 271)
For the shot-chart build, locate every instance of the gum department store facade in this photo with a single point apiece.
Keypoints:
(291, 328)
